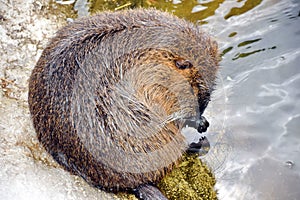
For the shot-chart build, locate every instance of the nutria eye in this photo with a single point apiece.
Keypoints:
(183, 64)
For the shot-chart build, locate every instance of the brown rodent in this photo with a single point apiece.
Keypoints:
(109, 94)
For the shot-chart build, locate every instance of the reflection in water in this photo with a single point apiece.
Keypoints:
(244, 43)
(191, 10)
(226, 51)
(197, 12)
(248, 5)
(242, 55)
(247, 46)
(232, 34)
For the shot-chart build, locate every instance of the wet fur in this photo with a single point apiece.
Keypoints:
(109, 84)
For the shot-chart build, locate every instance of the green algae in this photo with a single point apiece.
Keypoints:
(126, 196)
(248, 5)
(190, 180)
(194, 11)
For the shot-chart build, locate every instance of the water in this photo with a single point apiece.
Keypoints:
(260, 72)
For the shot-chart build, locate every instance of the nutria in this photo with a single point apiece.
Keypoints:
(110, 93)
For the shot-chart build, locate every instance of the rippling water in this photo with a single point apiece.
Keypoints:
(255, 113)
(260, 69)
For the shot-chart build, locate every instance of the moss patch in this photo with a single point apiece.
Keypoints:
(191, 180)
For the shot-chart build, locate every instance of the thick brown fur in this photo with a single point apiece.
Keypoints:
(107, 96)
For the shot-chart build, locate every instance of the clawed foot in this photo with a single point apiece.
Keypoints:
(201, 147)
(203, 125)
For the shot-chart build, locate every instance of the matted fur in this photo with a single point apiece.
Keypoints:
(107, 99)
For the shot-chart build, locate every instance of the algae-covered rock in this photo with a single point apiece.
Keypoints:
(191, 180)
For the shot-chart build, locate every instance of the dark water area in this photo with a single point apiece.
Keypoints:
(255, 111)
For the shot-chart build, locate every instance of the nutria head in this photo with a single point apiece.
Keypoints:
(110, 92)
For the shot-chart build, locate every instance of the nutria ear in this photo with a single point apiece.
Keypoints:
(183, 64)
